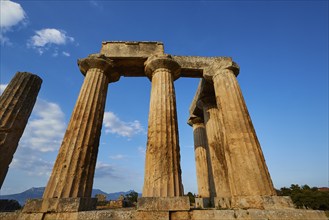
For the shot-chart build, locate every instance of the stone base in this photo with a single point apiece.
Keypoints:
(254, 202)
(222, 202)
(202, 203)
(59, 205)
(210, 214)
(181, 203)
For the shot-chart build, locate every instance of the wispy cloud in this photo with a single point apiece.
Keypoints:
(105, 170)
(11, 14)
(113, 124)
(96, 4)
(66, 54)
(142, 150)
(4, 40)
(31, 162)
(189, 146)
(45, 39)
(118, 157)
(45, 128)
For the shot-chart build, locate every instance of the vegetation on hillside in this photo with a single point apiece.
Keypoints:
(132, 197)
(306, 197)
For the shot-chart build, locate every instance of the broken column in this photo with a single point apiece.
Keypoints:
(248, 174)
(16, 104)
(72, 177)
(162, 162)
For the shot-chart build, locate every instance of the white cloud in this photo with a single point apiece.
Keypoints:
(2, 88)
(50, 36)
(43, 133)
(46, 127)
(11, 14)
(114, 125)
(44, 39)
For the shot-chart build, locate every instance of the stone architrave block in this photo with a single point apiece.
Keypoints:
(179, 203)
(131, 49)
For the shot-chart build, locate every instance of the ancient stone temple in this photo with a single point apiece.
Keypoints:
(232, 176)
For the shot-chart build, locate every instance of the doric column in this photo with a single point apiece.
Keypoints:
(73, 172)
(16, 104)
(162, 163)
(201, 152)
(216, 143)
(248, 173)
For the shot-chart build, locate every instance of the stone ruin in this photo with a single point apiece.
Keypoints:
(232, 176)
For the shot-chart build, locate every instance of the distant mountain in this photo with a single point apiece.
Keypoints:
(33, 193)
(37, 192)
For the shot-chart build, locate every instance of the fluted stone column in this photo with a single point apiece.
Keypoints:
(16, 104)
(163, 188)
(162, 163)
(248, 173)
(73, 172)
(201, 151)
(217, 148)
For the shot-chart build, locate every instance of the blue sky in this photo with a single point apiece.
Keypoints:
(281, 47)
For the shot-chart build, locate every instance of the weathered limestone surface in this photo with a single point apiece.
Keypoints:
(217, 147)
(16, 104)
(73, 172)
(259, 202)
(248, 173)
(129, 58)
(210, 214)
(59, 205)
(132, 49)
(162, 162)
(203, 203)
(178, 203)
(201, 152)
(254, 214)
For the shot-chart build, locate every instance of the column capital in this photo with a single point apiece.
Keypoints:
(99, 61)
(220, 65)
(207, 101)
(195, 120)
(161, 61)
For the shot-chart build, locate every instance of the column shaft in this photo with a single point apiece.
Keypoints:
(16, 104)
(248, 172)
(202, 162)
(162, 163)
(73, 172)
(216, 143)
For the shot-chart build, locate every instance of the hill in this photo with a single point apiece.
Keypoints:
(37, 192)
